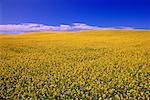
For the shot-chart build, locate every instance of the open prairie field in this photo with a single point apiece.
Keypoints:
(97, 64)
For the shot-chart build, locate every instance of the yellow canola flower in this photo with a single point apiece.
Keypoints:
(95, 64)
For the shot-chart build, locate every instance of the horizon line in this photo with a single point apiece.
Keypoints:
(74, 27)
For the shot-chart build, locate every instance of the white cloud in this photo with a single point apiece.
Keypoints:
(64, 27)
(33, 27)
(84, 26)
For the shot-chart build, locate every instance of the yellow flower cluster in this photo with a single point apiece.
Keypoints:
(98, 65)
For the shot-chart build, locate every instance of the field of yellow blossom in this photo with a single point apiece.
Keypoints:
(95, 64)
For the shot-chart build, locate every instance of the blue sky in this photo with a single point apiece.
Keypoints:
(103, 13)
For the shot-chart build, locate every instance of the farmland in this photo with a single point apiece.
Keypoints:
(95, 64)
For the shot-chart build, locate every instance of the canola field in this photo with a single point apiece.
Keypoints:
(87, 65)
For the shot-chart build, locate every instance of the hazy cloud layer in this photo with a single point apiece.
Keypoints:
(32, 27)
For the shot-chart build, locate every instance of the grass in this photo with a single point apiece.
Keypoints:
(96, 64)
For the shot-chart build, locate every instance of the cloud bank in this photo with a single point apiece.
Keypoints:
(33, 27)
